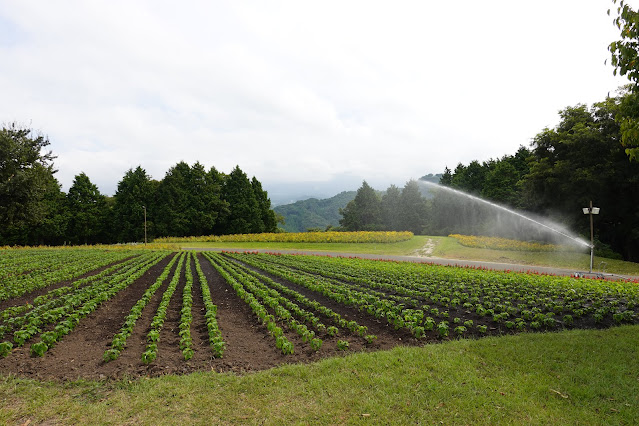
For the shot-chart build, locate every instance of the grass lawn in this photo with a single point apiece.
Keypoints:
(449, 248)
(570, 377)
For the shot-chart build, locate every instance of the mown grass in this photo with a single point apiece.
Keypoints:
(571, 377)
(450, 248)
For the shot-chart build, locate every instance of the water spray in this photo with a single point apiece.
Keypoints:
(512, 212)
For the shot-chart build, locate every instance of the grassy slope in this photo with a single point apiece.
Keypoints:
(573, 377)
(447, 247)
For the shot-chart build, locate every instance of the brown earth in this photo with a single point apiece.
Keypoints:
(249, 347)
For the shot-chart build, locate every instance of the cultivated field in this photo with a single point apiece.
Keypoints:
(98, 313)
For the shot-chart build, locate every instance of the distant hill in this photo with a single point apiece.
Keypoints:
(434, 178)
(314, 213)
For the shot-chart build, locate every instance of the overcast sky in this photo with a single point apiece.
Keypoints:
(318, 93)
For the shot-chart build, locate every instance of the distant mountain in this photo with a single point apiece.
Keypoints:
(434, 178)
(314, 213)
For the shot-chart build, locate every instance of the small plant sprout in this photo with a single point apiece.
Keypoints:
(460, 330)
(342, 345)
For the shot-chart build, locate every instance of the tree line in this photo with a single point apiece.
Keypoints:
(565, 167)
(188, 201)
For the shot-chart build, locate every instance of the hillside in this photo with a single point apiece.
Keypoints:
(314, 213)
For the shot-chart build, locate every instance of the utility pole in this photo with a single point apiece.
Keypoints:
(144, 207)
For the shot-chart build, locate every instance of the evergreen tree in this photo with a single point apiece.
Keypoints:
(87, 211)
(52, 229)
(364, 212)
(244, 212)
(447, 178)
(205, 200)
(470, 178)
(171, 203)
(412, 213)
(390, 208)
(135, 193)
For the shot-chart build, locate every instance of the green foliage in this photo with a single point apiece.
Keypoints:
(412, 208)
(87, 211)
(625, 60)
(27, 187)
(135, 192)
(245, 215)
(364, 212)
(342, 345)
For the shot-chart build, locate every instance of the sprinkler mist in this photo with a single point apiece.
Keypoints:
(547, 228)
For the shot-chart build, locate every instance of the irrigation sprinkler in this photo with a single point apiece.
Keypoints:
(591, 211)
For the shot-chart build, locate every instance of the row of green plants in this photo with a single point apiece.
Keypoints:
(24, 271)
(186, 314)
(58, 311)
(449, 300)
(62, 312)
(267, 319)
(118, 343)
(153, 337)
(10, 317)
(311, 306)
(365, 300)
(216, 341)
(285, 303)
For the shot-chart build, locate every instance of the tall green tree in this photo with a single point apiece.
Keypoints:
(87, 211)
(26, 170)
(470, 178)
(135, 193)
(413, 213)
(390, 208)
(172, 202)
(52, 229)
(625, 60)
(447, 178)
(188, 201)
(364, 212)
(205, 202)
(244, 215)
(500, 184)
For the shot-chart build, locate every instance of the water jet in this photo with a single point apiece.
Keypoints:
(546, 226)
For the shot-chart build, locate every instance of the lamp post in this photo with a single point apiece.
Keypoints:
(144, 207)
(591, 211)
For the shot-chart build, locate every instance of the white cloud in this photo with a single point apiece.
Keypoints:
(293, 90)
